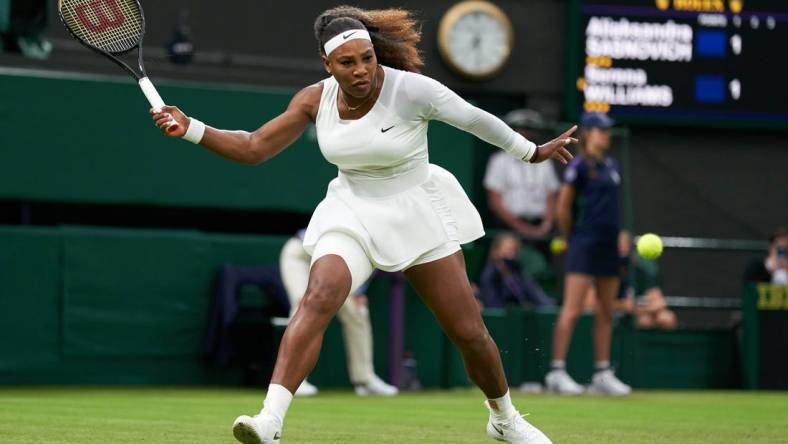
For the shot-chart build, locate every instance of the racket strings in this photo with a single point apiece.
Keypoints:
(114, 26)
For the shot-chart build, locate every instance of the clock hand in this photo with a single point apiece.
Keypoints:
(476, 41)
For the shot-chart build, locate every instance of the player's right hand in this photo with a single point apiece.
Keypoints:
(170, 120)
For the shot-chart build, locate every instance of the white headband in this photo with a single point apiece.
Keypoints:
(344, 37)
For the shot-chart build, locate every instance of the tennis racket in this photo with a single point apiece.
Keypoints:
(112, 28)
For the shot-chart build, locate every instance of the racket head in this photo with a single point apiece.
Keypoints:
(112, 27)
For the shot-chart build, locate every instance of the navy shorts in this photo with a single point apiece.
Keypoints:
(596, 257)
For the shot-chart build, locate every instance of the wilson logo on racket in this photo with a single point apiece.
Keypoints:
(93, 17)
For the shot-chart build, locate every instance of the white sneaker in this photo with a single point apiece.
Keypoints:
(260, 429)
(606, 383)
(515, 430)
(306, 389)
(559, 382)
(376, 386)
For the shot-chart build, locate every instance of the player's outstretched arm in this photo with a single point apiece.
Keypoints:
(255, 147)
(436, 101)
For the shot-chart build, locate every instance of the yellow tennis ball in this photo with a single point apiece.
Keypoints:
(557, 245)
(649, 246)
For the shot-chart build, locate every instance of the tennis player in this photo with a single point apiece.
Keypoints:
(389, 208)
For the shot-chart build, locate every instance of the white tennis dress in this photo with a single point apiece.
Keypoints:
(387, 195)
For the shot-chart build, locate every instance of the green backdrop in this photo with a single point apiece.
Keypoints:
(93, 305)
(70, 138)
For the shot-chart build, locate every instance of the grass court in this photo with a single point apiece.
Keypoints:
(185, 415)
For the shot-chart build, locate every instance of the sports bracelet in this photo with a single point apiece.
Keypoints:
(195, 132)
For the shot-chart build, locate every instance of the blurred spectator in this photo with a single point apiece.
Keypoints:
(522, 196)
(640, 294)
(774, 268)
(502, 282)
(295, 263)
(21, 25)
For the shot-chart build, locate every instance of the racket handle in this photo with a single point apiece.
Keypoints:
(155, 99)
(151, 94)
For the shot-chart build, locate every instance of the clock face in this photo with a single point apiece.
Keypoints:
(475, 39)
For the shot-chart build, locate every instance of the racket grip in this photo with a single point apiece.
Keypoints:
(151, 94)
(155, 100)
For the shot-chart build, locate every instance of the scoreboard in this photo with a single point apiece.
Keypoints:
(691, 62)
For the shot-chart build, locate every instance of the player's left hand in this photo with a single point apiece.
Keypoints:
(556, 148)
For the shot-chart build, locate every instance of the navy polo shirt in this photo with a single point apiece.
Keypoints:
(595, 212)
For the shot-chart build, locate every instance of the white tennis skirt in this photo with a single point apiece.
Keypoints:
(397, 220)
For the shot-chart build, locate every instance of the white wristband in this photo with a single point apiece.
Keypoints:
(195, 132)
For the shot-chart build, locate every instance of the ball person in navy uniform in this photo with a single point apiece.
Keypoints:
(588, 216)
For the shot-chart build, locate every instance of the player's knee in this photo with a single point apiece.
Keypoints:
(470, 337)
(324, 296)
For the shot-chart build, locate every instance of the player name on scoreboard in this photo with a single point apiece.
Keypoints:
(683, 58)
(622, 39)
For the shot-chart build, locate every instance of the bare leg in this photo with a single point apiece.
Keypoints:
(443, 286)
(606, 290)
(329, 285)
(576, 286)
(330, 282)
